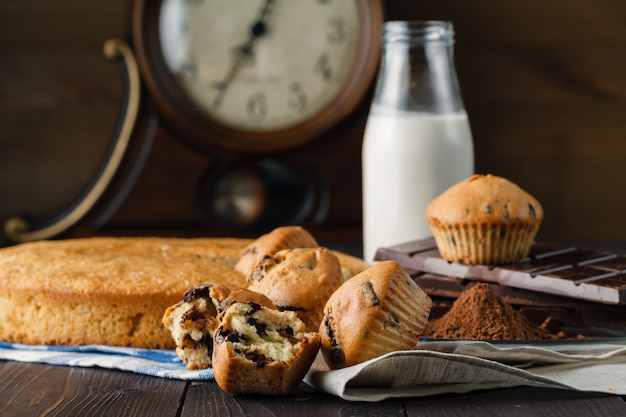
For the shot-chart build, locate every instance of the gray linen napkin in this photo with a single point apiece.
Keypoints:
(438, 367)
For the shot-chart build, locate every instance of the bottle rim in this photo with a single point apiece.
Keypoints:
(418, 31)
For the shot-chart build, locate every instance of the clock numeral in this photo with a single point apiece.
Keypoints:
(323, 68)
(189, 69)
(337, 32)
(257, 107)
(297, 97)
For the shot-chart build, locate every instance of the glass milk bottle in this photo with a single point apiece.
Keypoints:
(417, 139)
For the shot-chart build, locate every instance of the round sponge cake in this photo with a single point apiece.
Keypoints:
(110, 291)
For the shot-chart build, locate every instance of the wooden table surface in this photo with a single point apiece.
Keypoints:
(28, 389)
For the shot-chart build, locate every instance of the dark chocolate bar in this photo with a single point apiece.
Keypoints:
(566, 271)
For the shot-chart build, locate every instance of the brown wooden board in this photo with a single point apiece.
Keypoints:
(28, 389)
(37, 390)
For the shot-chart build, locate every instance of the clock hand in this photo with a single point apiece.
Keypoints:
(245, 52)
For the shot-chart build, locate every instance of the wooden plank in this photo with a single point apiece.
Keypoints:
(518, 402)
(207, 399)
(37, 389)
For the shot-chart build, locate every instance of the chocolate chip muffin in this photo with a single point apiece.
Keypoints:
(484, 219)
(378, 311)
(261, 350)
(299, 280)
(192, 321)
(286, 237)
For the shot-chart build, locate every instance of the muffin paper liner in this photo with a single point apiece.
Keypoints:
(484, 243)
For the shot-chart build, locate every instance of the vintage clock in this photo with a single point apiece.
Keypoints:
(251, 82)
(257, 76)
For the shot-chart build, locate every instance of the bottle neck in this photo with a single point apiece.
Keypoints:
(418, 31)
(417, 71)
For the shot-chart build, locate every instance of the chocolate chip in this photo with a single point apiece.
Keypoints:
(259, 327)
(257, 357)
(307, 266)
(221, 334)
(286, 331)
(257, 275)
(506, 212)
(252, 249)
(370, 294)
(336, 354)
(229, 335)
(193, 315)
(255, 306)
(291, 308)
(531, 210)
(235, 337)
(202, 291)
(489, 208)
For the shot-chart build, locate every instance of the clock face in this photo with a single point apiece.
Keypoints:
(261, 65)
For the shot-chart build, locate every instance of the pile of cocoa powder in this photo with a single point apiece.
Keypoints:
(481, 314)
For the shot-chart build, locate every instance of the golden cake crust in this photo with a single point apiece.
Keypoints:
(484, 199)
(110, 291)
(378, 311)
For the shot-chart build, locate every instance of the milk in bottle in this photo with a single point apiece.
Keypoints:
(417, 140)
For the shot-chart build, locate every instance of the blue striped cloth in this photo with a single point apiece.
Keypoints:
(153, 362)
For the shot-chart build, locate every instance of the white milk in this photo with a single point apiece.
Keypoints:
(409, 158)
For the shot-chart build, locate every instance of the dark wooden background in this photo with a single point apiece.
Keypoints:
(544, 84)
